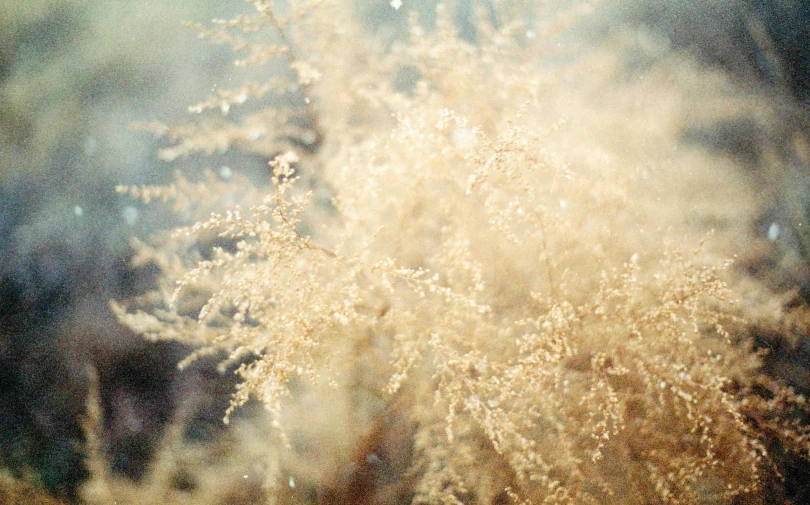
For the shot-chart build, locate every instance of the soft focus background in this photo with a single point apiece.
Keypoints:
(74, 77)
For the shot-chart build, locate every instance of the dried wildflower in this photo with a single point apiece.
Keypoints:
(486, 265)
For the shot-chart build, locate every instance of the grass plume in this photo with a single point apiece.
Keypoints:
(485, 251)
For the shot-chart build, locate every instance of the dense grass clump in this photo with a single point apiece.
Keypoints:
(484, 270)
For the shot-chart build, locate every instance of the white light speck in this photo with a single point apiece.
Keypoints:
(225, 172)
(396, 4)
(530, 34)
(130, 215)
(306, 100)
(309, 137)
(292, 482)
(773, 232)
(662, 385)
(634, 258)
(78, 211)
(90, 146)
(563, 204)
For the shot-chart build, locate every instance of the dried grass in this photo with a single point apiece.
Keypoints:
(481, 289)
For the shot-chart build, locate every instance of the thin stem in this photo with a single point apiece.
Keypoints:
(311, 112)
